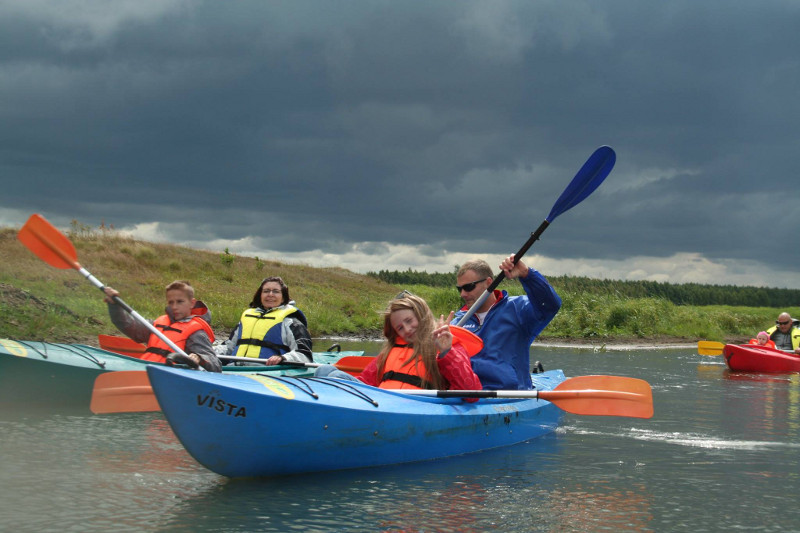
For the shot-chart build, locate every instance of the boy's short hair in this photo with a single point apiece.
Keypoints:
(181, 285)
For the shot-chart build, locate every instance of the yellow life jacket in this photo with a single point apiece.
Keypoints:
(794, 332)
(259, 337)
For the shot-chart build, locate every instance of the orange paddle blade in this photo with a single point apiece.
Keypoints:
(353, 364)
(52, 246)
(603, 396)
(125, 391)
(709, 348)
(121, 345)
(471, 342)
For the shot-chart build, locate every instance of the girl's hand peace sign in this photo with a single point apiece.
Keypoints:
(442, 336)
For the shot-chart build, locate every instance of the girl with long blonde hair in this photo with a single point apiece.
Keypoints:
(419, 351)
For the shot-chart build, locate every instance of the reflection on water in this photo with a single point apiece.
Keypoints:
(513, 489)
(594, 508)
(102, 473)
(716, 440)
(764, 403)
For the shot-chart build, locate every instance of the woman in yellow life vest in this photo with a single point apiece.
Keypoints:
(419, 352)
(272, 328)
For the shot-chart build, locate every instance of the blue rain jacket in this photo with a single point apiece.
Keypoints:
(508, 330)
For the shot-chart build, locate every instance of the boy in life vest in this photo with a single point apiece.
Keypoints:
(419, 352)
(762, 339)
(185, 323)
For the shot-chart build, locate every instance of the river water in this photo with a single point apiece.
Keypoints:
(721, 453)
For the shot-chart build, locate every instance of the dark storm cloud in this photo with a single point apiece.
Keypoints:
(444, 125)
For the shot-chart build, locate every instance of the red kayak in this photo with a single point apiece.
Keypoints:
(751, 358)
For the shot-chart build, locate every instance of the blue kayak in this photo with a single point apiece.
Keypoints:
(257, 425)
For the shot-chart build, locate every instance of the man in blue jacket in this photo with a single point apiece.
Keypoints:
(507, 324)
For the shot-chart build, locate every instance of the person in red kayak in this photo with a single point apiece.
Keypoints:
(419, 352)
(185, 323)
(786, 333)
(762, 339)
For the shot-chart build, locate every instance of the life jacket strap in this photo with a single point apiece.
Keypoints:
(264, 344)
(158, 351)
(167, 328)
(414, 381)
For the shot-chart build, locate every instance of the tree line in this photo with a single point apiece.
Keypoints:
(679, 294)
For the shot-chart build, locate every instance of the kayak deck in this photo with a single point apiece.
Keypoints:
(61, 376)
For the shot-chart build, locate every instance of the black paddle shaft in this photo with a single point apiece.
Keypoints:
(588, 178)
(517, 256)
(501, 276)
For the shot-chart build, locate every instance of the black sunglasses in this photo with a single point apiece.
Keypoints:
(782, 323)
(469, 287)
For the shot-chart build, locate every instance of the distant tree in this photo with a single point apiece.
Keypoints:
(679, 294)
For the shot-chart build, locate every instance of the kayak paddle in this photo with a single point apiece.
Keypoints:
(121, 345)
(582, 395)
(588, 178)
(55, 249)
(131, 348)
(469, 341)
(124, 391)
(129, 391)
(709, 348)
(352, 363)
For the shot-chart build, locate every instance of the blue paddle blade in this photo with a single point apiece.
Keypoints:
(588, 178)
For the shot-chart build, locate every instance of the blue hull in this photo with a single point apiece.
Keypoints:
(243, 426)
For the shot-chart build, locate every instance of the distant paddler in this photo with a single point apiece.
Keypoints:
(786, 333)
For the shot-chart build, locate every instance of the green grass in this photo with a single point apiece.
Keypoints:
(40, 302)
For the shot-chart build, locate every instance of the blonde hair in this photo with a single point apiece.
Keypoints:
(424, 349)
(181, 285)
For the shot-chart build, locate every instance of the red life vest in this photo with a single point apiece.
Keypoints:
(178, 332)
(401, 372)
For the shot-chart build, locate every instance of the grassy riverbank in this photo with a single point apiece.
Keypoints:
(40, 302)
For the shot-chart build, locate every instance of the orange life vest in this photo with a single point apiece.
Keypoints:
(401, 372)
(178, 332)
(770, 343)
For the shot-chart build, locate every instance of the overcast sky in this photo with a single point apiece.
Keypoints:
(414, 134)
